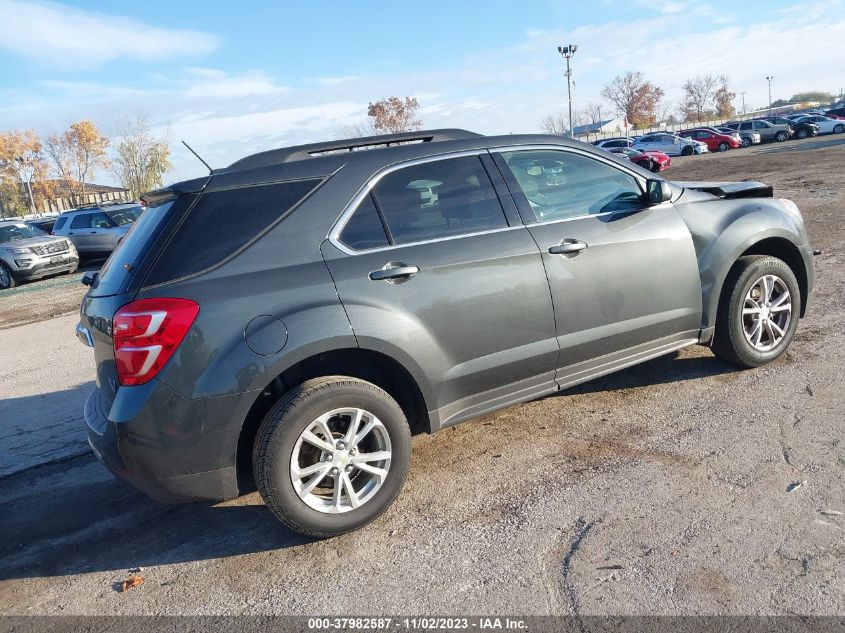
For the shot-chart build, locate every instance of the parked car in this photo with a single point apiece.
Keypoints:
(715, 141)
(27, 253)
(767, 131)
(800, 129)
(745, 137)
(653, 161)
(825, 124)
(836, 112)
(670, 144)
(96, 231)
(43, 223)
(609, 143)
(406, 288)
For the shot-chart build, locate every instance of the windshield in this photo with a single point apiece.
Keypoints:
(124, 216)
(15, 232)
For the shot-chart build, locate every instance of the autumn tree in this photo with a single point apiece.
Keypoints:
(723, 99)
(698, 95)
(23, 171)
(635, 97)
(394, 115)
(76, 155)
(141, 158)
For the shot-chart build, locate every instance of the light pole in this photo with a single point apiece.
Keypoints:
(743, 103)
(21, 161)
(568, 52)
(769, 79)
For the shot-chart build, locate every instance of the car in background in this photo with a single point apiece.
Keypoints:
(27, 253)
(745, 137)
(609, 143)
(767, 131)
(800, 129)
(96, 231)
(669, 144)
(836, 112)
(715, 141)
(825, 124)
(43, 223)
(653, 161)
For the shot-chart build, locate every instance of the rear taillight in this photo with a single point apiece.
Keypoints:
(146, 333)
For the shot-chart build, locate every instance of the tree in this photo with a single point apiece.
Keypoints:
(356, 130)
(76, 155)
(555, 124)
(394, 115)
(698, 94)
(813, 95)
(723, 99)
(635, 97)
(22, 170)
(141, 159)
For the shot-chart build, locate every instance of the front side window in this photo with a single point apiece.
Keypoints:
(438, 199)
(560, 185)
(60, 222)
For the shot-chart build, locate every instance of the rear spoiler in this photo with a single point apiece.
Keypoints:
(730, 189)
(157, 196)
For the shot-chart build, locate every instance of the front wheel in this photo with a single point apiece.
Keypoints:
(746, 142)
(802, 133)
(758, 311)
(687, 151)
(724, 147)
(655, 166)
(331, 455)
(7, 278)
(838, 129)
(782, 136)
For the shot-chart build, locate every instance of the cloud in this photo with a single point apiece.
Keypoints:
(73, 38)
(334, 81)
(210, 83)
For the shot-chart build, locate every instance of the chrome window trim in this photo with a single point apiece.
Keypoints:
(349, 210)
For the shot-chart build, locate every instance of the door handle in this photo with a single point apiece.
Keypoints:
(567, 248)
(70, 232)
(392, 272)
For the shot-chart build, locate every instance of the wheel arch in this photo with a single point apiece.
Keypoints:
(375, 367)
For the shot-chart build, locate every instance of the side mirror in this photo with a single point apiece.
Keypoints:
(658, 191)
(89, 278)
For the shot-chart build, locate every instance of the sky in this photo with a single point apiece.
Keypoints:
(233, 78)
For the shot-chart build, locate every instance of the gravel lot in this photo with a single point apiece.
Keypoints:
(680, 486)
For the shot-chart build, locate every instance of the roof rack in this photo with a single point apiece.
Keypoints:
(313, 150)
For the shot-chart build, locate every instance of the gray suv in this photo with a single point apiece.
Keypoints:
(291, 320)
(27, 253)
(96, 231)
(767, 130)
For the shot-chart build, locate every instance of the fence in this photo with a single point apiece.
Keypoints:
(53, 205)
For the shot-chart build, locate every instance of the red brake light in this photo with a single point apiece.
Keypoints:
(146, 333)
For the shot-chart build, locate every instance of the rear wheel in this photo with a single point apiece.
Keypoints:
(7, 278)
(838, 129)
(782, 136)
(331, 455)
(724, 147)
(758, 311)
(746, 142)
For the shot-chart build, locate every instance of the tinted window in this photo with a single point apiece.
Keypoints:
(745, 126)
(364, 229)
(647, 139)
(61, 222)
(221, 222)
(438, 199)
(124, 216)
(560, 185)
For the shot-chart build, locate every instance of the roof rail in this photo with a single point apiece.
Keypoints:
(313, 150)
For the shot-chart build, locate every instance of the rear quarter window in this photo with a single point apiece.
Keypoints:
(60, 222)
(221, 223)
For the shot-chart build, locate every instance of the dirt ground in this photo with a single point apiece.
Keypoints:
(680, 486)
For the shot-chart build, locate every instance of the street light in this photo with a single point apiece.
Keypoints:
(743, 103)
(769, 79)
(568, 52)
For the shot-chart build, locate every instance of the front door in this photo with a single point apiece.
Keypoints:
(433, 273)
(623, 275)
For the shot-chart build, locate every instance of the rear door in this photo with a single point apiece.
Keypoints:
(92, 232)
(623, 276)
(435, 272)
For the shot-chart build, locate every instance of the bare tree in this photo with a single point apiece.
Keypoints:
(555, 124)
(358, 129)
(698, 94)
(76, 155)
(394, 115)
(635, 97)
(141, 158)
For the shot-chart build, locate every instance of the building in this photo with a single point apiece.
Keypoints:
(606, 126)
(61, 196)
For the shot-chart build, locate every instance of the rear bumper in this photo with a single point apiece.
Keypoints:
(173, 449)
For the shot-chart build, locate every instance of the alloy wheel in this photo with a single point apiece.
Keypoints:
(5, 278)
(766, 313)
(341, 460)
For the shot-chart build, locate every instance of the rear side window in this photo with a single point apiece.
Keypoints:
(438, 199)
(60, 222)
(221, 222)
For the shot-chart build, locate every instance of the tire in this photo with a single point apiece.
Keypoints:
(838, 129)
(280, 441)
(7, 277)
(687, 151)
(802, 133)
(655, 166)
(724, 147)
(730, 342)
(746, 142)
(781, 136)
